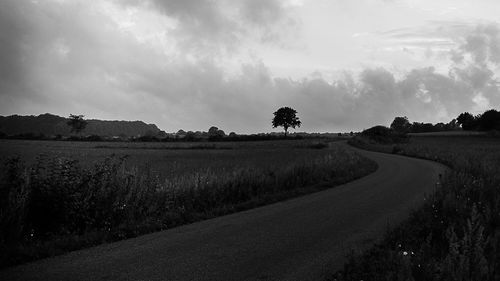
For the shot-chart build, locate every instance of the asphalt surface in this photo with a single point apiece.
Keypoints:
(304, 238)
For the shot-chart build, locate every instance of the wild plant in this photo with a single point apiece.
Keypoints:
(57, 204)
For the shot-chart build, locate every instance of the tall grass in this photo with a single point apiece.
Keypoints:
(456, 234)
(56, 204)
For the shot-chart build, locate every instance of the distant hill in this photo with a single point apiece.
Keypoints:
(52, 125)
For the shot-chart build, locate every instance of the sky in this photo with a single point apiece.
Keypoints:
(344, 65)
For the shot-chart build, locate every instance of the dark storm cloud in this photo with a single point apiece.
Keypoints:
(202, 25)
(14, 33)
(218, 27)
(59, 56)
(67, 58)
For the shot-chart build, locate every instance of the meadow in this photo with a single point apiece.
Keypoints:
(169, 159)
(58, 196)
(456, 234)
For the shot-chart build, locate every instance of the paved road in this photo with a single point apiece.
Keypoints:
(299, 239)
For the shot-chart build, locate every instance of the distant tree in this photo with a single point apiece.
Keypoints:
(77, 123)
(419, 127)
(489, 120)
(198, 134)
(286, 117)
(401, 125)
(452, 125)
(378, 131)
(190, 136)
(214, 133)
(382, 134)
(161, 134)
(212, 130)
(467, 121)
(149, 133)
(439, 127)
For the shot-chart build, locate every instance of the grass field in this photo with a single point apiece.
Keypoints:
(456, 234)
(61, 196)
(170, 159)
(449, 134)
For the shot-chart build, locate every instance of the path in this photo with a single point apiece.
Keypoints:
(299, 239)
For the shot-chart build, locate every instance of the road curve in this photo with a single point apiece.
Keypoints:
(299, 239)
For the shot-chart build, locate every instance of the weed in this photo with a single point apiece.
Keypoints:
(57, 204)
(456, 234)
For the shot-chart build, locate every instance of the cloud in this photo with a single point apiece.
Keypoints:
(13, 35)
(201, 25)
(99, 60)
(221, 27)
(262, 12)
(72, 58)
(477, 61)
(483, 45)
(431, 41)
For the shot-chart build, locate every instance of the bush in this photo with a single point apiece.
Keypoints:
(384, 135)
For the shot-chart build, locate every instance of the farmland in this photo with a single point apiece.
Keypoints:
(60, 196)
(169, 159)
(456, 234)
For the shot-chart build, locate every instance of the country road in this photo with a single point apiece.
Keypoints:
(299, 239)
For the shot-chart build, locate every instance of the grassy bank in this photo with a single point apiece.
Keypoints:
(456, 234)
(56, 204)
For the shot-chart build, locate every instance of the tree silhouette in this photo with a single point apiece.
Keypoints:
(286, 117)
(489, 120)
(215, 134)
(401, 125)
(467, 120)
(77, 123)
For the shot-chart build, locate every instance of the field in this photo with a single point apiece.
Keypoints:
(60, 196)
(449, 134)
(170, 160)
(456, 235)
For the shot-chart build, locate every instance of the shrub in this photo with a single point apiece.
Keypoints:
(384, 135)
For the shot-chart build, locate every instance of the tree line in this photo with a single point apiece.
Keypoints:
(487, 121)
(285, 117)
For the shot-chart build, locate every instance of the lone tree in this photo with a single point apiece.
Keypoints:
(76, 123)
(286, 117)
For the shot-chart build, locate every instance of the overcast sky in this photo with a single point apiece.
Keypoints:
(190, 64)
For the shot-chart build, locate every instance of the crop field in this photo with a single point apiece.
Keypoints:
(171, 159)
(456, 235)
(57, 196)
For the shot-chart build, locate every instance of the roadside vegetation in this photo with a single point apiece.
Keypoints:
(54, 204)
(456, 234)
